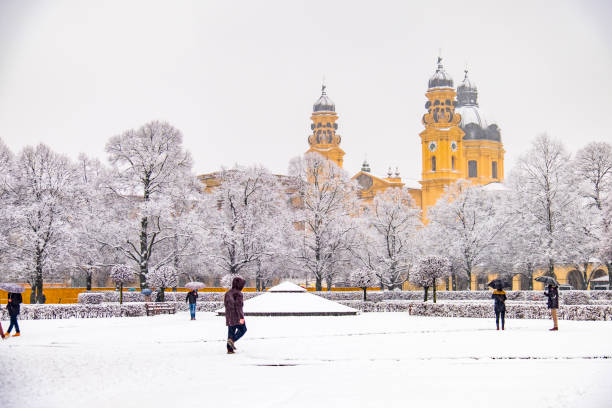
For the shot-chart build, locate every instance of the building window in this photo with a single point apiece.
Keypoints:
(433, 163)
(494, 169)
(453, 162)
(472, 168)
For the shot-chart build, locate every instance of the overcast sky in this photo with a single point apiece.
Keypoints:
(239, 78)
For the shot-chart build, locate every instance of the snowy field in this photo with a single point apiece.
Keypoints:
(370, 360)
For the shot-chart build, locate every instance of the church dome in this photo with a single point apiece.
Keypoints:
(473, 121)
(440, 78)
(475, 124)
(324, 104)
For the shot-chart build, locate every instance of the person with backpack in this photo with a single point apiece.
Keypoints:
(13, 307)
(192, 298)
(234, 316)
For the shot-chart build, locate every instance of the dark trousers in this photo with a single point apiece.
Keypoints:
(503, 318)
(13, 323)
(236, 332)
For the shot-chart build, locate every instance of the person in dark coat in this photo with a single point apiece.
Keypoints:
(13, 307)
(552, 293)
(192, 298)
(234, 316)
(500, 306)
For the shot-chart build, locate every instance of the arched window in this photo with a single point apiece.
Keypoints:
(433, 163)
(453, 162)
(494, 169)
(472, 168)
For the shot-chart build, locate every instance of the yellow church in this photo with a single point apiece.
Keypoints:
(457, 142)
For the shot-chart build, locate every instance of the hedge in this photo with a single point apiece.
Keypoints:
(76, 310)
(514, 310)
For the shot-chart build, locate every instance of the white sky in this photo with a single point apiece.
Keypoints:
(239, 77)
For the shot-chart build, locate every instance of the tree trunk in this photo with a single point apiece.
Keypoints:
(434, 290)
(258, 284)
(551, 267)
(365, 297)
(39, 283)
(469, 278)
(426, 289)
(144, 267)
(121, 293)
(88, 280)
(328, 280)
(447, 283)
(318, 284)
(454, 280)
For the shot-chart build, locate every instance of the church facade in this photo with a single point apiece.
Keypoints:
(457, 142)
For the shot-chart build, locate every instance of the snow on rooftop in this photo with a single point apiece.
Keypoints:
(495, 187)
(411, 183)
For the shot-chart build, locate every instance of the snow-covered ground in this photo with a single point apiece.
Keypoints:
(369, 360)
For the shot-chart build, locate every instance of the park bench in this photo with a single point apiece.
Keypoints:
(158, 308)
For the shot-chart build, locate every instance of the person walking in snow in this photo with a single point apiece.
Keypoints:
(234, 316)
(552, 293)
(2, 332)
(192, 298)
(499, 296)
(14, 300)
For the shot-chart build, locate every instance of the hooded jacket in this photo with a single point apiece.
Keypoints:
(233, 302)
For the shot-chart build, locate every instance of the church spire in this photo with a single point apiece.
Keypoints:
(324, 139)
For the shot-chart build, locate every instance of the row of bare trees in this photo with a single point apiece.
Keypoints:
(146, 210)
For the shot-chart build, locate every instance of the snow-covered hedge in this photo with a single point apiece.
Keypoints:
(76, 310)
(514, 310)
(567, 297)
(91, 298)
(132, 296)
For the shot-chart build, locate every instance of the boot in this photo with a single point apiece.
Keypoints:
(554, 329)
(230, 345)
(17, 334)
(230, 351)
(7, 334)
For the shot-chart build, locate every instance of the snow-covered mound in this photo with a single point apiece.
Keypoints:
(288, 299)
(287, 287)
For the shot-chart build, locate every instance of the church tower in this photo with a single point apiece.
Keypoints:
(483, 150)
(324, 139)
(442, 139)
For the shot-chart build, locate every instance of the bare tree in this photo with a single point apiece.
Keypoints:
(148, 164)
(247, 220)
(39, 209)
(428, 273)
(327, 198)
(593, 165)
(469, 222)
(395, 220)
